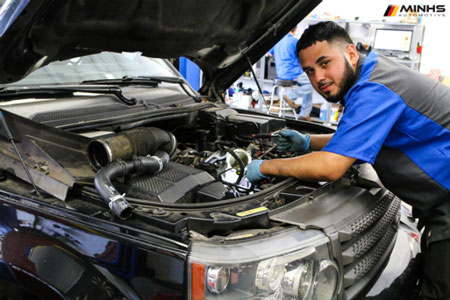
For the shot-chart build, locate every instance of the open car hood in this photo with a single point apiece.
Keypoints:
(220, 36)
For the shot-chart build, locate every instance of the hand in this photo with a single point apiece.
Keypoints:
(253, 173)
(293, 141)
(435, 74)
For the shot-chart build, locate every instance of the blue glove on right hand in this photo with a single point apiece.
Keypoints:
(293, 141)
(253, 173)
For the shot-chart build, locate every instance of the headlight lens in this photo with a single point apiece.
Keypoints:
(298, 281)
(326, 280)
(268, 276)
(271, 268)
(218, 279)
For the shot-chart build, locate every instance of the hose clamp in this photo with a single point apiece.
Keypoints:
(160, 162)
(114, 199)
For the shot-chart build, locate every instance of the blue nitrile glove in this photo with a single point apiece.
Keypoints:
(253, 173)
(293, 141)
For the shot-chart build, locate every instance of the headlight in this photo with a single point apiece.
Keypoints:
(298, 280)
(326, 280)
(268, 276)
(217, 279)
(291, 265)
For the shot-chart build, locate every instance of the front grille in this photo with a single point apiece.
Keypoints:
(365, 221)
(372, 235)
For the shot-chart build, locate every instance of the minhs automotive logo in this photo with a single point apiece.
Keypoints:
(421, 10)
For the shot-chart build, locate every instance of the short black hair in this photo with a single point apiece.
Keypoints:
(324, 31)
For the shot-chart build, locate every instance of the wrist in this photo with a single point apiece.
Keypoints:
(307, 142)
(259, 170)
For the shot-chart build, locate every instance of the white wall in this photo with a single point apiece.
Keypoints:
(436, 44)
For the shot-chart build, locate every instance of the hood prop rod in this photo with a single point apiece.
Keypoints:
(260, 92)
(4, 130)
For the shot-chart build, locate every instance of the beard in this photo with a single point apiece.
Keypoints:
(347, 82)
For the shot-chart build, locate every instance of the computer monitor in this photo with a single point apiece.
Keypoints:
(393, 40)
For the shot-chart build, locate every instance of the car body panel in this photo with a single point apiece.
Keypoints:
(113, 261)
(65, 257)
(218, 36)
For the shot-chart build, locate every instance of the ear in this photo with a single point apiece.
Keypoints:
(352, 54)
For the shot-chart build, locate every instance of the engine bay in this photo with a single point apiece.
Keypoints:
(208, 156)
(184, 156)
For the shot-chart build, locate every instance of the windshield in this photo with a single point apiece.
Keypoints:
(105, 65)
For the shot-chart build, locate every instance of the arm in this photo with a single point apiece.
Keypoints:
(362, 131)
(318, 141)
(315, 166)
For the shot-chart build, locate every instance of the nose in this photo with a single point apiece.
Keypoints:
(319, 75)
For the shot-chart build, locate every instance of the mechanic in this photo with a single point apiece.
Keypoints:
(395, 119)
(288, 67)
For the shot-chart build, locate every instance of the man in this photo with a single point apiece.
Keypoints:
(436, 75)
(395, 119)
(288, 67)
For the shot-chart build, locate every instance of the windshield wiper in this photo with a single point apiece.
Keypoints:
(14, 92)
(143, 80)
(178, 80)
(125, 80)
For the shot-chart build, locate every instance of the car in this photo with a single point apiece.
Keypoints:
(119, 181)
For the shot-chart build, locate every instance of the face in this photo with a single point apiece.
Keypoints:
(330, 68)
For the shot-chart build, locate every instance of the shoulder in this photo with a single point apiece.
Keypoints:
(371, 94)
(369, 89)
(291, 38)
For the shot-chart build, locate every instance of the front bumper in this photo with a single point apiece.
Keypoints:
(398, 279)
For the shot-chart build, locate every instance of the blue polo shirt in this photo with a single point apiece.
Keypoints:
(287, 64)
(399, 121)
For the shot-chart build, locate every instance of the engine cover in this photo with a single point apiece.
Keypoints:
(173, 184)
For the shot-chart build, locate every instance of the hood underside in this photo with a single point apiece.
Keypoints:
(220, 36)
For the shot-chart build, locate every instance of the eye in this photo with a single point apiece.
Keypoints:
(324, 63)
(309, 72)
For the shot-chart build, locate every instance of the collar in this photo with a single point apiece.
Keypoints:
(359, 66)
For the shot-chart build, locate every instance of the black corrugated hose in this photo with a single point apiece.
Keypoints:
(103, 180)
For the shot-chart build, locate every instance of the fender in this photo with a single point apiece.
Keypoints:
(57, 259)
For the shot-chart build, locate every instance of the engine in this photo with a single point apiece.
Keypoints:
(208, 156)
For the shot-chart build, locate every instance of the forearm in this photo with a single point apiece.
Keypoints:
(319, 141)
(295, 167)
(317, 166)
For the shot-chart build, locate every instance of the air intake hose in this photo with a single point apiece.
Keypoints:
(106, 175)
(139, 141)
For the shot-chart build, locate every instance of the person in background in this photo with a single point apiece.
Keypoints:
(436, 74)
(288, 67)
(396, 119)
